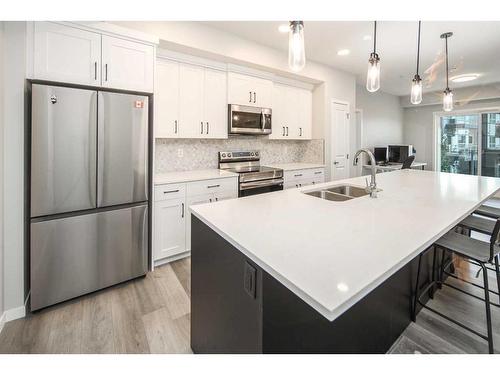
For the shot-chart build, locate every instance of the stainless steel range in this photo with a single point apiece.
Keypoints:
(253, 178)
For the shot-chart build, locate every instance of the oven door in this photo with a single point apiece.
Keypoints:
(260, 187)
(249, 120)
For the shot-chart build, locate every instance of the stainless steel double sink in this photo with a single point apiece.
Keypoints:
(338, 193)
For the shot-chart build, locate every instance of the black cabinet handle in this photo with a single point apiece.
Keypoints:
(250, 100)
(213, 186)
(201, 132)
(208, 127)
(182, 209)
(171, 191)
(254, 97)
(106, 72)
(95, 70)
(318, 172)
(283, 131)
(175, 126)
(300, 129)
(297, 175)
(287, 131)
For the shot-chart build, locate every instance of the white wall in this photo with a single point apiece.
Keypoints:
(1, 177)
(205, 41)
(14, 73)
(382, 118)
(419, 125)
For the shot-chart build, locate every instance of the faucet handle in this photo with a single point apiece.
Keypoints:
(366, 180)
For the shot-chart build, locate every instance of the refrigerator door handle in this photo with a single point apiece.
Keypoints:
(92, 149)
(100, 147)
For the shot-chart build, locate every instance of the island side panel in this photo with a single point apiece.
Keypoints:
(370, 326)
(225, 317)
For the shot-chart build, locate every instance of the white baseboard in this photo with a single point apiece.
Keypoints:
(173, 258)
(3, 320)
(15, 313)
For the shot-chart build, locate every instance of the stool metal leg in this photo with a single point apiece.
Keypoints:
(497, 269)
(415, 297)
(433, 273)
(441, 269)
(488, 310)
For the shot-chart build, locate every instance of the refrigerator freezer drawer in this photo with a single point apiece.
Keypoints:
(63, 150)
(76, 255)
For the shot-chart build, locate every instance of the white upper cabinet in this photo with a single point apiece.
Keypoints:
(167, 99)
(292, 113)
(191, 101)
(248, 90)
(66, 54)
(69, 54)
(191, 124)
(127, 65)
(215, 104)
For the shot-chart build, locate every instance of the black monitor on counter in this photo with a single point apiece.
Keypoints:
(399, 153)
(380, 154)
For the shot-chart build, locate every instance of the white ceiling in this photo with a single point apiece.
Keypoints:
(474, 48)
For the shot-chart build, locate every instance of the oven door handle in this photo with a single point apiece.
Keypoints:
(263, 183)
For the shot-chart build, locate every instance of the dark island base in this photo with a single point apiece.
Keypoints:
(236, 307)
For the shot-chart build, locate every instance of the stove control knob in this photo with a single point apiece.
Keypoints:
(256, 154)
(253, 154)
(229, 155)
(223, 155)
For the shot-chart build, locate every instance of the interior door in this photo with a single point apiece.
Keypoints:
(167, 100)
(340, 141)
(191, 124)
(66, 54)
(215, 104)
(127, 65)
(63, 150)
(122, 157)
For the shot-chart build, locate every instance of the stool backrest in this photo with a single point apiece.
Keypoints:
(495, 241)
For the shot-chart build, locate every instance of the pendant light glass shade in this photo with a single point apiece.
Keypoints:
(448, 100)
(296, 49)
(373, 75)
(416, 90)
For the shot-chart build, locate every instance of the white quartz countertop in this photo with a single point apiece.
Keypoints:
(295, 166)
(187, 176)
(332, 254)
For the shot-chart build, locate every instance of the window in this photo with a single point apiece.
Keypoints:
(469, 143)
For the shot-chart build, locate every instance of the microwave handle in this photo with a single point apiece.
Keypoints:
(262, 120)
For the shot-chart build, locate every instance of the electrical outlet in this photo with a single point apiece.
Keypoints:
(180, 152)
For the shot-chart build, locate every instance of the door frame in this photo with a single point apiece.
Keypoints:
(436, 133)
(331, 139)
(360, 141)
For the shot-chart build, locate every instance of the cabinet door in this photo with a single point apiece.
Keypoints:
(263, 89)
(291, 104)
(167, 99)
(191, 85)
(66, 54)
(170, 228)
(215, 104)
(240, 89)
(127, 65)
(278, 118)
(191, 201)
(305, 114)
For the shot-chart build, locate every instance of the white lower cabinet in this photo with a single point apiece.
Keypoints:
(303, 177)
(170, 221)
(172, 215)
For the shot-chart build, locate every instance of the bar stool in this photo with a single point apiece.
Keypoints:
(475, 251)
(488, 211)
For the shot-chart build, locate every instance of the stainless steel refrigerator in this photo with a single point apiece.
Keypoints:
(89, 191)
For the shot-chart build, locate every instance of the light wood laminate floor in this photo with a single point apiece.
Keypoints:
(151, 315)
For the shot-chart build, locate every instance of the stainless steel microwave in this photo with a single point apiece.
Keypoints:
(249, 120)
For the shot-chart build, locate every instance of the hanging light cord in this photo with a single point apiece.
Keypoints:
(446, 48)
(375, 37)
(418, 46)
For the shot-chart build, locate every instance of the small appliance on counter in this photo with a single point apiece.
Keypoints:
(253, 178)
(399, 153)
(249, 120)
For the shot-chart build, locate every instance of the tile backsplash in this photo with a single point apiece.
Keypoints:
(191, 154)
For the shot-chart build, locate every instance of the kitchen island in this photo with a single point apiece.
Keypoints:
(289, 272)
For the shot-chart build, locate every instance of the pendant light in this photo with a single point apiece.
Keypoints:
(296, 50)
(447, 94)
(416, 83)
(373, 75)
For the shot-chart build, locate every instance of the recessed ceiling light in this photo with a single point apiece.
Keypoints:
(284, 28)
(464, 77)
(343, 52)
(367, 37)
